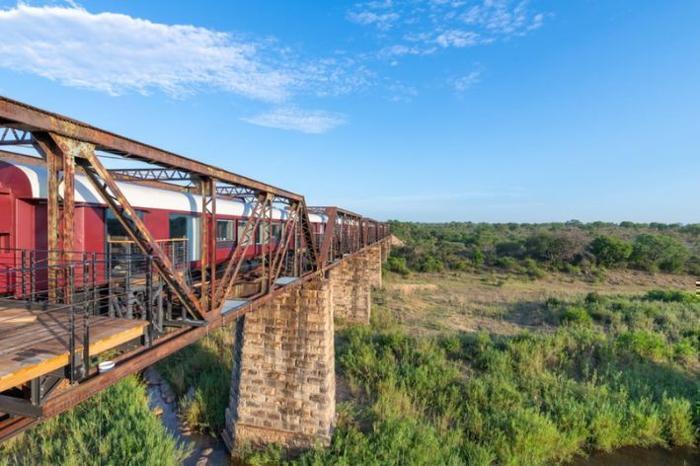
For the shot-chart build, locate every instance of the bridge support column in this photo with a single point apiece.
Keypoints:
(352, 283)
(283, 382)
(386, 249)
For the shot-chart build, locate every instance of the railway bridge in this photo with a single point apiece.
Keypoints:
(115, 254)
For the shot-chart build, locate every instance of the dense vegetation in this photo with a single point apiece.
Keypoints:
(529, 248)
(115, 427)
(616, 371)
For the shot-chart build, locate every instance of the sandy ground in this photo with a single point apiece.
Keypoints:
(499, 303)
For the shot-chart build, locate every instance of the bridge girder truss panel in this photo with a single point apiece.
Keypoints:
(106, 186)
(20, 115)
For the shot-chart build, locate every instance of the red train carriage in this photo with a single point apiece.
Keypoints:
(171, 215)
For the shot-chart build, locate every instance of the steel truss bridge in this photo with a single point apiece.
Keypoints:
(172, 309)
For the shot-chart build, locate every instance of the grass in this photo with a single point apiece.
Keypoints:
(453, 370)
(200, 375)
(608, 373)
(114, 427)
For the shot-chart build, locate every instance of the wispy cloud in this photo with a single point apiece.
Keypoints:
(116, 53)
(464, 83)
(422, 27)
(295, 119)
(119, 54)
(381, 20)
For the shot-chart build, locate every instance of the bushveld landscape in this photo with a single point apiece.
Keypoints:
(531, 344)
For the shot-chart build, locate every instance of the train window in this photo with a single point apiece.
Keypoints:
(115, 230)
(277, 232)
(184, 226)
(262, 236)
(241, 230)
(178, 226)
(225, 230)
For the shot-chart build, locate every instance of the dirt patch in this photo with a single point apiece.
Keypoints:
(410, 288)
(396, 242)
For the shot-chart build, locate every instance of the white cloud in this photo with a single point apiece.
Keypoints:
(295, 119)
(419, 27)
(381, 20)
(464, 83)
(116, 53)
(457, 39)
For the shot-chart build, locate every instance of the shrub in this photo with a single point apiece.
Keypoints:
(672, 296)
(431, 264)
(645, 344)
(657, 252)
(398, 265)
(532, 269)
(576, 315)
(610, 251)
(678, 421)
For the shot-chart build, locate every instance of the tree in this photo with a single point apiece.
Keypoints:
(556, 248)
(610, 251)
(658, 252)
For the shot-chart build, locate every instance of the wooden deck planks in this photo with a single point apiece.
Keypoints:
(36, 342)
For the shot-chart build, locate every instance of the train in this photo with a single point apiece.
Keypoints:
(170, 214)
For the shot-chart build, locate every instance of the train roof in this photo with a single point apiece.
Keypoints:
(142, 196)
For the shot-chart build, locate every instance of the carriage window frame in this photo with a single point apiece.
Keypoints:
(229, 227)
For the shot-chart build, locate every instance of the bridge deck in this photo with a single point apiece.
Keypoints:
(36, 342)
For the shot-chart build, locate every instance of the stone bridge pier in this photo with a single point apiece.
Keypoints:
(283, 381)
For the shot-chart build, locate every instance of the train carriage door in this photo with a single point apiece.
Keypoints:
(7, 256)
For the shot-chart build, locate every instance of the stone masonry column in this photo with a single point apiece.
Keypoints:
(283, 382)
(385, 245)
(352, 281)
(374, 264)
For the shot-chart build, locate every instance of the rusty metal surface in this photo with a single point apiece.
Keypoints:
(103, 182)
(243, 244)
(35, 119)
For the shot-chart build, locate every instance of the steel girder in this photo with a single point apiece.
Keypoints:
(105, 184)
(207, 223)
(60, 165)
(18, 114)
(235, 261)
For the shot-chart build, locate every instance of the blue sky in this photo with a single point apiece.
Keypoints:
(429, 110)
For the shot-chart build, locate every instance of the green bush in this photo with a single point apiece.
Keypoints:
(610, 251)
(645, 344)
(672, 296)
(576, 315)
(657, 252)
(398, 265)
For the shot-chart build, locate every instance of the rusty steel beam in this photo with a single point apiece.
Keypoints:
(40, 120)
(308, 236)
(153, 174)
(287, 234)
(103, 182)
(328, 234)
(60, 165)
(207, 225)
(15, 137)
(243, 243)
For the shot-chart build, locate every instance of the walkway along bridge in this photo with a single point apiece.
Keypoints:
(104, 271)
